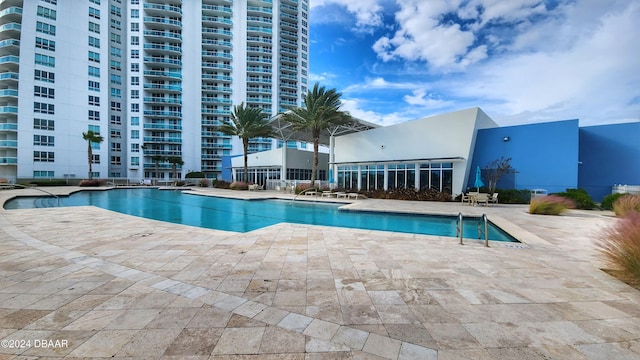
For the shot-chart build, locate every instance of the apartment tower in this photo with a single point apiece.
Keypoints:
(153, 77)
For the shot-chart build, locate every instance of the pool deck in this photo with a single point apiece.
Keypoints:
(104, 284)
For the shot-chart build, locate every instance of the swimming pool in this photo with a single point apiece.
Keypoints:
(247, 215)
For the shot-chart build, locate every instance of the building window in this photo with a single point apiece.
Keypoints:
(135, 27)
(94, 115)
(135, 80)
(115, 65)
(135, 134)
(46, 12)
(135, 121)
(135, 94)
(135, 67)
(43, 124)
(93, 27)
(115, 38)
(43, 140)
(115, 11)
(116, 120)
(95, 42)
(94, 71)
(94, 57)
(95, 129)
(116, 52)
(135, 148)
(45, 44)
(43, 108)
(97, 2)
(94, 86)
(135, 54)
(135, 161)
(135, 40)
(115, 79)
(94, 100)
(115, 160)
(94, 13)
(116, 106)
(45, 92)
(43, 174)
(116, 93)
(115, 146)
(115, 24)
(45, 28)
(95, 158)
(135, 108)
(43, 156)
(44, 76)
(116, 134)
(45, 60)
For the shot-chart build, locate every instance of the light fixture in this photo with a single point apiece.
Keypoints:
(506, 138)
(382, 147)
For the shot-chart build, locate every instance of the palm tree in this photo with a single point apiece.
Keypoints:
(175, 161)
(156, 160)
(246, 123)
(91, 137)
(320, 112)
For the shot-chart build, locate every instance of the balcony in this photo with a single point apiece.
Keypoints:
(8, 160)
(162, 100)
(8, 93)
(152, 126)
(162, 61)
(216, 54)
(289, 9)
(9, 47)
(216, 100)
(217, 32)
(216, 88)
(158, 10)
(10, 30)
(169, 88)
(13, 144)
(217, 43)
(162, 35)
(216, 146)
(9, 110)
(162, 139)
(216, 10)
(10, 127)
(257, 69)
(212, 65)
(163, 114)
(162, 152)
(8, 75)
(163, 22)
(259, 10)
(259, 29)
(9, 62)
(217, 20)
(161, 49)
(214, 111)
(163, 74)
(216, 77)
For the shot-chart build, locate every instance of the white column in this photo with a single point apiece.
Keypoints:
(283, 171)
(333, 169)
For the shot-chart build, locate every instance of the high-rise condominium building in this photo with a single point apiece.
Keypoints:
(152, 77)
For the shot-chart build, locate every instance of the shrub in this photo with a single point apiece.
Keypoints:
(550, 205)
(626, 205)
(4, 181)
(194, 175)
(91, 183)
(239, 185)
(513, 196)
(204, 182)
(48, 183)
(580, 197)
(302, 187)
(621, 247)
(607, 202)
(221, 184)
(179, 183)
(407, 194)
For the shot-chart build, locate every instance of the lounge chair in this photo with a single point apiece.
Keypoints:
(468, 197)
(494, 198)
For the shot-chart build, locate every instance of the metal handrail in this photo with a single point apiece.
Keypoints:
(304, 191)
(483, 220)
(39, 189)
(459, 232)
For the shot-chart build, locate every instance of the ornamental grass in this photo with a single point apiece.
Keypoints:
(620, 246)
(626, 205)
(550, 205)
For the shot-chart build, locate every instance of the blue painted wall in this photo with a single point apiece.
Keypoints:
(544, 155)
(227, 174)
(610, 154)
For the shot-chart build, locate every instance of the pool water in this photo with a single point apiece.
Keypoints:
(247, 215)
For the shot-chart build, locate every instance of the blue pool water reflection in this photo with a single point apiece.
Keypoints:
(248, 215)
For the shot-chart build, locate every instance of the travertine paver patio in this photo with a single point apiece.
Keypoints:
(113, 285)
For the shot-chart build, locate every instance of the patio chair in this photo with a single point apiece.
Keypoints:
(482, 198)
(494, 198)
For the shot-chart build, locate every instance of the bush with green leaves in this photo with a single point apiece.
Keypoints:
(550, 205)
(194, 175)
(239, 185)
(513, 196)
(221, 184)
(621, 247)
(627, 204)
(607, 202)
(580, 197)
(204, 182)
(91, 183)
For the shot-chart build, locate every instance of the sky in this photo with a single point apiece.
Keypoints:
(521, 61)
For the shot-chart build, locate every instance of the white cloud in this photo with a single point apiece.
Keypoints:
(366, 12)
(353, 107)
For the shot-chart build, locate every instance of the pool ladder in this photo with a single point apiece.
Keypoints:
(483, 228)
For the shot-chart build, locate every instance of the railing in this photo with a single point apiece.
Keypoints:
(459, 229)
(483, 228)
(34, 188)
(625, 189)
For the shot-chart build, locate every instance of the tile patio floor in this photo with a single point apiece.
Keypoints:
(117, 286)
